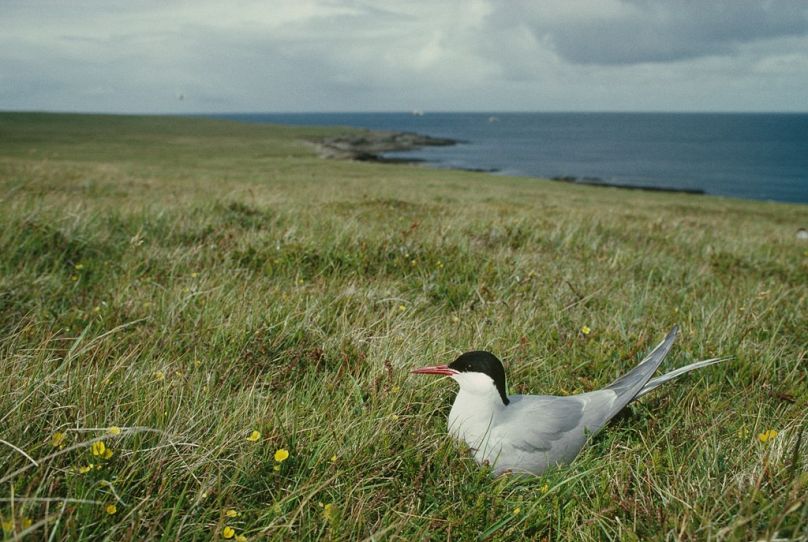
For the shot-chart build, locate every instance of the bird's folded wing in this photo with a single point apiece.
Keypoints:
(538, 421)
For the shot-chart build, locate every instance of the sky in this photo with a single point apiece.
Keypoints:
(206, 56)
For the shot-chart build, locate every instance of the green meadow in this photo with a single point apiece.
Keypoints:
(206, 333)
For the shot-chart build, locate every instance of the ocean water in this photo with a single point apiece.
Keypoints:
(756, 156)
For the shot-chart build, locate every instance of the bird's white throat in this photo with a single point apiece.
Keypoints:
(475, 408)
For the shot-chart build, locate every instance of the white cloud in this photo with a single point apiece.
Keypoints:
(399, 55)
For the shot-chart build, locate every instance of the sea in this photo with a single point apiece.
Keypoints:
(759, 156)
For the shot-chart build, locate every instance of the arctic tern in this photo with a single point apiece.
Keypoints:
(530, 433)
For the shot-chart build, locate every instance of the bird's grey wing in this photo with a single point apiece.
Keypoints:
(538, 423)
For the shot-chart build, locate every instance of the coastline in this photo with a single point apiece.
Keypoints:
(371, 146)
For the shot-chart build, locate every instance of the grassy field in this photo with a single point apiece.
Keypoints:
(169, 286)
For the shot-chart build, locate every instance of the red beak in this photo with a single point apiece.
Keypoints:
(435, 370)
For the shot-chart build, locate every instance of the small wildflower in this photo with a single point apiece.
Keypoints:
(228, 532)
(78, 266)
(58, 440)
(254, 436)
(394, 417)
(328, 512)
(27, 522)
(743, 433)
(586, 330)
(333, 458)
(98, 448)
(197, 363)
(74, 278)
(107, 453)
(232, 513)
(517, 511)
(545, 488)
(159, 376)
(395, 389)
(194, 275)
(413, 263)
(402, 308)
(440, 264)
(241, 538)
(8, 526)
(281, 455)
(111, 509)
(85, 468)
(767, 435)
(277, 467)
(114, 430)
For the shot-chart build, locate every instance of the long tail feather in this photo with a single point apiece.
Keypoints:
(632, 382)
(667, 377)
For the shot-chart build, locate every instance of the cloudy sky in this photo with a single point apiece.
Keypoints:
(356, 55)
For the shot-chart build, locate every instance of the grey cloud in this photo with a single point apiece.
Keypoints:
(638, 31)
(298, 55)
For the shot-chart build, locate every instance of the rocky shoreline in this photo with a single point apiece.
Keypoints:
(370, 146)
(597, 181)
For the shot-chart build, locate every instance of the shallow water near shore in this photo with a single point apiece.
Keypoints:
(753, 156)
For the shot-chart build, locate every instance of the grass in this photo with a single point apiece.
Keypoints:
(192, 281)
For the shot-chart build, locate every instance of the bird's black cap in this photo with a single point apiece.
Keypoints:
(483, 362)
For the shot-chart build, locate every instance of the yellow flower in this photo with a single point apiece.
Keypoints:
(27, 522)
(114, 430)
(98, 448)
(79, 266)
(333, 458)
(159, 376)
(254, 436)
(197, 363)
(228, 532)
(111, 509)
(241, 538)
(402, 308)
(281, 455)
(767, 435)
(231, 513)
(107, 453)
(413, 263)
(586, 330)
(517, 511)
(328, 512)
(8, 526)
(395, 389)
(85, 469)
(194, 275)
(545, 488)
(58, 440)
